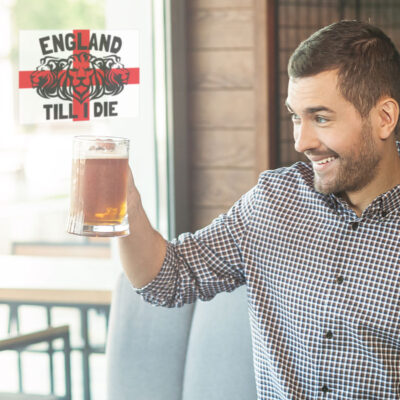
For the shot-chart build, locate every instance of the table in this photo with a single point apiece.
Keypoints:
(92, 279)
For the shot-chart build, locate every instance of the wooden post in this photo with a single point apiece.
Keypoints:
(266, 85)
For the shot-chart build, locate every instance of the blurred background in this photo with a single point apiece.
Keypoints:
(212, 117)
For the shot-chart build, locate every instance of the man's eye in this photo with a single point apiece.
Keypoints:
(321, 120)
(295, 118)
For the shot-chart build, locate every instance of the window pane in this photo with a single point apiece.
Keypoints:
(35, 159)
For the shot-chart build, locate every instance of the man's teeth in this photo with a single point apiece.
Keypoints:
(324, 161)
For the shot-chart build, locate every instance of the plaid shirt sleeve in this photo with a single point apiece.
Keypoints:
(200, 265)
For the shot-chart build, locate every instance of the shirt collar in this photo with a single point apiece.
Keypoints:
(386, 202)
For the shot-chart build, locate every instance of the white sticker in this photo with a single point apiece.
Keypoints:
(78, 75)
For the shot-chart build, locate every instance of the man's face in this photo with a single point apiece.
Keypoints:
(331, 133)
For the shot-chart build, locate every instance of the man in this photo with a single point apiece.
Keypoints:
(317, 244)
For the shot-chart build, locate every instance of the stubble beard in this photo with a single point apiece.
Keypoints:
(356, 169)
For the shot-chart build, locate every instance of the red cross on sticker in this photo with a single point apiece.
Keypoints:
(79, 75)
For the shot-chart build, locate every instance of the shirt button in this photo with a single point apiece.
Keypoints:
(329, 335)
(384, 214)
(339, 279)
(325, 389)
(354, 226)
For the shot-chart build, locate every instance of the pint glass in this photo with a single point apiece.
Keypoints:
(99, 187)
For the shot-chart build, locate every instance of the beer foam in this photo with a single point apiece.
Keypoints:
(102, 156)
(100, 149)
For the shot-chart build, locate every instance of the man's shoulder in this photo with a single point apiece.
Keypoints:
(297, 176)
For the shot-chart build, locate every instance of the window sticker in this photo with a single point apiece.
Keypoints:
(78, 75)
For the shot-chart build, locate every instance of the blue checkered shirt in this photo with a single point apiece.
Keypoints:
(323, 286)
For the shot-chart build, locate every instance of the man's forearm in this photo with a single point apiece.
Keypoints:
(143, 251)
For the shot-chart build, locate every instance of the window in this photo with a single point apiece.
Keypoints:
(35, 166)
(35, 159)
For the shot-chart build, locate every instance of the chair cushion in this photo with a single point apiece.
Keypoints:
(146, 347)
(219, 362)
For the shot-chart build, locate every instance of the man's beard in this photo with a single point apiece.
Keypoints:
(356, 169)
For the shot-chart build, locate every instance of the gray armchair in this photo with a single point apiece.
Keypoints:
(200, 351)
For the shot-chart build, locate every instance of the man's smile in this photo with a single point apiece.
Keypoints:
(320, 163)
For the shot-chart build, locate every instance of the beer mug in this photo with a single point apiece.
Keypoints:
(99, 187)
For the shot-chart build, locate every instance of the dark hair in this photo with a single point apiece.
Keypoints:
(367, 61)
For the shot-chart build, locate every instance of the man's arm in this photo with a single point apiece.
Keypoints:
(192, 266)
(143, 251)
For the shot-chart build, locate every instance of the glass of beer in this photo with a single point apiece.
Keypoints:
(99, 187)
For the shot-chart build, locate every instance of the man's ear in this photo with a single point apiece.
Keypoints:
(388, 115)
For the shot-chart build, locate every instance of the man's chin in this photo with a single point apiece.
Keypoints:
(325, 187)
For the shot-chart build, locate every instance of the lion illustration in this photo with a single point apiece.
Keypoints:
(116, 75)
(81, 76)
(45, 78)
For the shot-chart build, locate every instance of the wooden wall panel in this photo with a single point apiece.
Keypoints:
(220, 28)
(216, 69)
(220, 3)
(205, 215)
(223, 73)
(222, 108)
(220, 187)
(223, 148)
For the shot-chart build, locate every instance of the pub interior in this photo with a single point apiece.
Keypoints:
(209, 117)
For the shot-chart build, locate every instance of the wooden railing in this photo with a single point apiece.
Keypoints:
(80, 284)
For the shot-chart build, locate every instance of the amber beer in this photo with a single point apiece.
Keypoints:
(99, 188)
(102, 185)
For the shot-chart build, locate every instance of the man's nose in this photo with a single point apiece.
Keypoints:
(305, 138)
